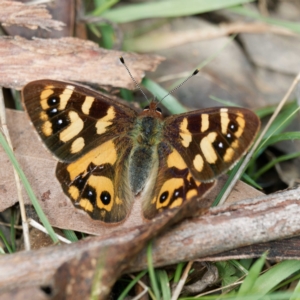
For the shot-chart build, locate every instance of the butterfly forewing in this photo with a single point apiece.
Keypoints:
(212, 140)
(72, 119)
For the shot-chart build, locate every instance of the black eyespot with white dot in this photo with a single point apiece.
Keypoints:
(90, 194)
(220, 145)
(163, 197)
(51, 112)
(232, 127)
(60, 122)
(53, 100)
(80, 182)
(177, 194)
(105, 197)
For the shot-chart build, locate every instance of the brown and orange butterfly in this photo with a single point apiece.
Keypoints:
(109, 153)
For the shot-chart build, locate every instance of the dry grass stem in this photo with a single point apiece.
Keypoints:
(17, 179)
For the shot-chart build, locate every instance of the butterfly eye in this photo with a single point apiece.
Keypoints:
(146, 107)
(158, 109)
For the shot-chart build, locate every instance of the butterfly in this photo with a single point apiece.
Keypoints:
(109, 153)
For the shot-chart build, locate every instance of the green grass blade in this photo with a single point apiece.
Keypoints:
(239, 266)
(13, 230)
(285, 117)
(178, 272)
(265, 111)
(152, 276)
(251, 181)
(103, 6)
(2, 236)
(164, 284)
(131, 285)
(28, 189)
(70, 235)
(252, 276)
(269, 280)
(296, 292)
(285, 136)
(273, 162)
(166, 8)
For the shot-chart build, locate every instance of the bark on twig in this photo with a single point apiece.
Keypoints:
(30, 16)
(228, 227)
(22, 61)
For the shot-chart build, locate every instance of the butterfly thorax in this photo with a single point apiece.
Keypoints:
(146, 135)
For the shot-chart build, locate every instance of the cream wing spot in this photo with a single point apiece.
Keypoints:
(65, 96)
(235, 144)
(44, 116)
(191, 193)
(77, 145)
(105, 153)
(88, 101)
(228, 155)
(108, 154)
(241, 123)
(176, 203)
(45, 94)
(208, 149)
(75, 127)
(204, 122)
(74, 192)
(185, 133)
(86, 205)
(175, 160)
(105, 121)
(224, 120)
(47, 128)
(198, 163)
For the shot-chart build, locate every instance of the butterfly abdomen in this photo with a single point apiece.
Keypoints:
(146, 136)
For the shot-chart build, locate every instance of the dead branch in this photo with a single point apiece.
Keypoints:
(30, 16)
(22, 61)
(228, 227)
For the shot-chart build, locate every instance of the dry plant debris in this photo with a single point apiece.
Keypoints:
(30, 16)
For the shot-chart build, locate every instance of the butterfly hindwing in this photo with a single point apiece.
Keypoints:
(174, 183)
(97, 182)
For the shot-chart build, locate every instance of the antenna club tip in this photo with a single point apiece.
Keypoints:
(122, 60)
(196, 72)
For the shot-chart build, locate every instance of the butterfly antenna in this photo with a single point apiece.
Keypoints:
(136, 84)
(182, 83)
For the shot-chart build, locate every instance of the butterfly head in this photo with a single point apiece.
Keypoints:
(152, 110)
